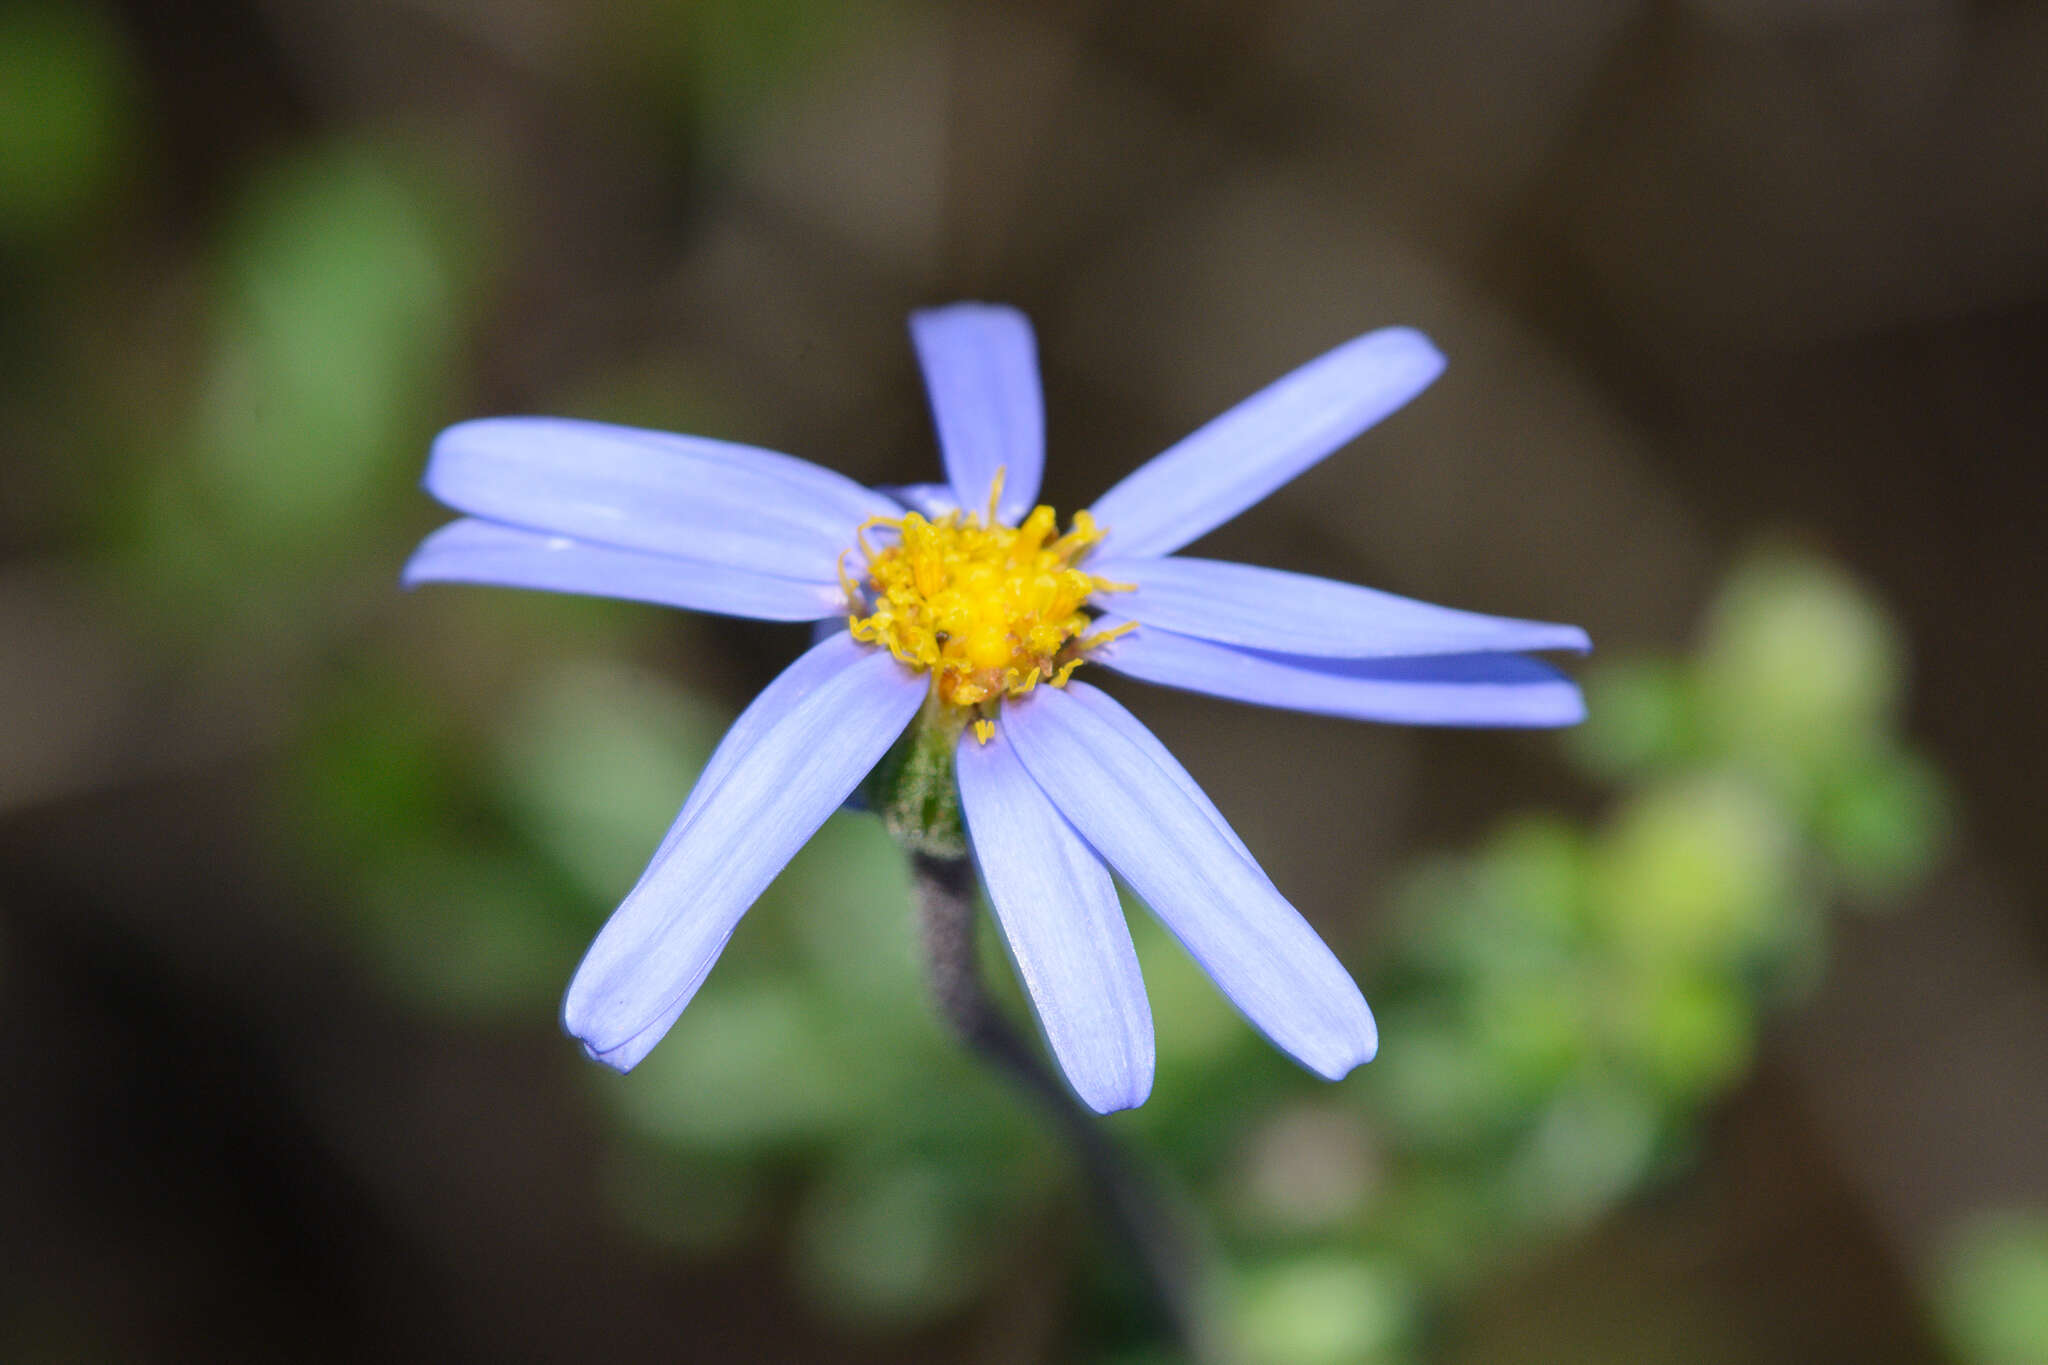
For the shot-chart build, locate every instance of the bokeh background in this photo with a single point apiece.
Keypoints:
(1715, 1031)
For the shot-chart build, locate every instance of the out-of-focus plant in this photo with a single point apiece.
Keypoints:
(1565, 1000)
(1991, 1290)
(67, 124)
(335, 295)
(1560, 1003)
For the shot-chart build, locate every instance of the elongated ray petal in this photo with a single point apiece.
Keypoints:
(1114, 712)
(1437, 689)
(1290, 613)
(1059, 911)
(1139, 817)
(981, 370)
(711, 501)
(805, 748)
(796, 682)
(1237, 459)
(474, 551)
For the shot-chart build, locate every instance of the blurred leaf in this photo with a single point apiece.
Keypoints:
(1800, 667)
(1440, 1089)
(595, 760)
(1641, 714)
(1194, 1026)
(1694, 869)
(891, 1243)
(1884, 822)
(1590, 1147)
(467, 932)
(1691, 1032)
(456, 919)
(1513, 911)
(752, 1064)
(1533, 1034)
(1322, 1310)
(66, 126)
(1536, 870)
(1158, 1355)
(845, 900)
(342, 280)
(376, 769)
(1442, 1225)
(1991, 1292)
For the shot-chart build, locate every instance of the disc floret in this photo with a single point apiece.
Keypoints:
(988, 610)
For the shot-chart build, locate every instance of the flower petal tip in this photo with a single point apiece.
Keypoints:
(419, 568)
(1414, 350)
(965, 308)
(581, 1020)
(1342, 1064)
(1116, 1100)
(617, 1059)
(443, 450)
(1118, 1088)
(600, 1038)
(1347, 1038)
(1574, 712)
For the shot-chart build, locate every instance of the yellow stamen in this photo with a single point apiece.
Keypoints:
(988, 610)
(995, 492)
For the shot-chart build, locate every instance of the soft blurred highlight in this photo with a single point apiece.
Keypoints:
(1715, 1030)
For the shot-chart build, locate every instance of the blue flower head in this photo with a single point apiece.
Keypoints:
(962, 606)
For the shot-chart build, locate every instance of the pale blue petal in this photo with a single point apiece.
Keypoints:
(1290, 613)
(981, 370)
(810, 671)
(1112, 711)
(932, 500)
(1059, 912)
(804, 748)
(1436, 689)
(634, 1050)
(1138, 816)
(1237, 459)
(710, 501)
(473, 551)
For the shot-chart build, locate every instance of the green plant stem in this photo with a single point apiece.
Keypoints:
(1139, 1219)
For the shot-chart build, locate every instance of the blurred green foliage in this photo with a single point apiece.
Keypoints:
(1322, 1310)
(1991, 1292)
(1559, 1004)
(1565, 1000)
(336, 317)
(67, 128)
(335, 295)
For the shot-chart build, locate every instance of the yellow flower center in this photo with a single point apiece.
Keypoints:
(988, 610)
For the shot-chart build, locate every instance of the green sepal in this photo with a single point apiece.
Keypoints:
(913, 789)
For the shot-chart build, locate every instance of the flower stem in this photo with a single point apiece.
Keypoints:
(945, 894)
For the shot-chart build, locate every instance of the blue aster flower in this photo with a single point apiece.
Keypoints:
(958, 613)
